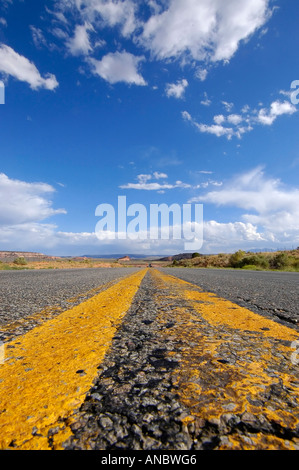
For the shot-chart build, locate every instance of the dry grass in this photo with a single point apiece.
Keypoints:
(62, 263)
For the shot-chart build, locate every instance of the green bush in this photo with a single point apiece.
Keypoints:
(280, 261)
(21, 261)
(235, 260)
(195, 255)
(255, 260)
(295, 264)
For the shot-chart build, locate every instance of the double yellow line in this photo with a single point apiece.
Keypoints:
(48, 371)
(230, 358)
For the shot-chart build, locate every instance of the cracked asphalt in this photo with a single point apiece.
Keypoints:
(196, 363)
(266, 292)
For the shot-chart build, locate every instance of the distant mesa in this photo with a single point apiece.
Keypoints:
(177, 257)
(124, 258)
(10, 256)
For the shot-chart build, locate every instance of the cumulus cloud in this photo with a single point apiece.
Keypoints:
(205, 30)
(79, 43)
(101, 13)
(253, 191)
(270, 217)
(201, 73)
(19, 67)
(277, 108)
(177, 90)
(230, 236)
(113, 13)
(22, 202)
(119, 67)
(191, 31)
(270, 208)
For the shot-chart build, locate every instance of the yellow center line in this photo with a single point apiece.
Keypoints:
(230, 361)
(48, 371)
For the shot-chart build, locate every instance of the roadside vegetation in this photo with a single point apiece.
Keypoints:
(63, 263)
(280, 260)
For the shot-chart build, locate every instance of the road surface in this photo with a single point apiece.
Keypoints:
(265, 292)
(152, 360)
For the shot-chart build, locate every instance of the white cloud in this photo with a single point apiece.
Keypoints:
(186, 116)
(219, 119)
(271, 209)
(228, 106)
(79, 43)
(22, 202)
(190, 30)
(230, 236)
(177, 90)
(206, 101)
(252, 191)
(214, 129)
(38, 37)
(271, 218)
(144, 178)
(205, 30)
(19, 67)
(201, 73)
(235, 119)
(157, 175)
(144, 185)
(148, 186)
(112, 13)
(119, 67)
(239, 124)
(277, 108)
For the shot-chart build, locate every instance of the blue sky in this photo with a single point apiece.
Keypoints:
(162, 101)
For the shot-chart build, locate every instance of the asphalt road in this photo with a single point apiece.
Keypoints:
(23, 293)
(273, 293)
(149, 362)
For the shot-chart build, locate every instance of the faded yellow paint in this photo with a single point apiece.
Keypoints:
(219, 311)
(260, 351)
(49, 312)
(48, 371)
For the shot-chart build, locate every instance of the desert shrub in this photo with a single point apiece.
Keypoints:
(20, 261)
(235, 260)
(295, 264)
(280, 261)
(256, 261)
